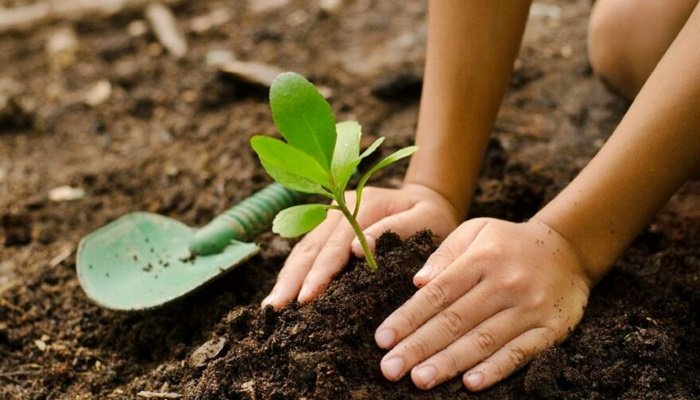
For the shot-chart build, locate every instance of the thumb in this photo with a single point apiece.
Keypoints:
(403, 224)
(454, 245)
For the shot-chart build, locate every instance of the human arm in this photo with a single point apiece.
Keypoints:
(496, 294)
(471, 48)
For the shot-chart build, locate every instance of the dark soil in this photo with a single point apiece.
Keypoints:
(173, 138)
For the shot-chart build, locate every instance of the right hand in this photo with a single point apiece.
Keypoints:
(325, 251)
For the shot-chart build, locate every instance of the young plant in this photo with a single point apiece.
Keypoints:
(318, 157)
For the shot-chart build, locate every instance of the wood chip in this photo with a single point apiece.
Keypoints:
(40, 344)
(46, 11)
(262, 6)
(66, 193)
(207, 351)
(251, 72)
(158, 395)
(214, 19)
(65, 253)
(164, 25)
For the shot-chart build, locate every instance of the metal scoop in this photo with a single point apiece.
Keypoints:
(144, 260)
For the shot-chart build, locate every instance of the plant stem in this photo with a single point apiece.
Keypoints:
(371, 261)
(369, 257)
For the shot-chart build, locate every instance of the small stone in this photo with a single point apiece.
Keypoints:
(62, 47)
(330, 6)
(98, 93)
(209, 350)
(137, 28)
(66, 193)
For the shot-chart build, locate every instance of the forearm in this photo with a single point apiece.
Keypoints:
(471, 49)
(652, 152)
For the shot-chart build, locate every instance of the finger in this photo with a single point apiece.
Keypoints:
(476, 345)
(454, 245)
(428, 301)
(297, 265)
(332, 258)
(441, 330)
(508, 359)
(403, 224)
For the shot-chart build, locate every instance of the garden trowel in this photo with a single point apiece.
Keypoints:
(143, 260)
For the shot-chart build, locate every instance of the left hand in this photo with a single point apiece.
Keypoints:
(494, 295)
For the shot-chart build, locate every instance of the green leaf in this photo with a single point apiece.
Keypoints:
(345, 156)
(372, 147)
(294, 182)
(298, 220)
(388, 160)
(303, 117)
(276, 154)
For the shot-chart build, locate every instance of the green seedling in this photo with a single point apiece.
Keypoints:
(318, 157)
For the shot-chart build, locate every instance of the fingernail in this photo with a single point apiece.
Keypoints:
(385, 338)
(425, 272)
(474, 380)
(393, 367)
(371, 241)
(426, 376)
(267, 300)
(304, 295)
(356, 248)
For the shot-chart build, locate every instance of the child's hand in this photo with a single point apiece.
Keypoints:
(326, 250)
(495, 294)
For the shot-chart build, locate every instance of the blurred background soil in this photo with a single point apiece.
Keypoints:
(99, 117)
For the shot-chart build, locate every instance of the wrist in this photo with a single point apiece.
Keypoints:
(426, 191)
(457, 207)
(595, 258)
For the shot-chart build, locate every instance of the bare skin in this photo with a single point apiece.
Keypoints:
(495, 294)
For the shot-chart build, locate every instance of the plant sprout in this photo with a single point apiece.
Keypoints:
(318, 157)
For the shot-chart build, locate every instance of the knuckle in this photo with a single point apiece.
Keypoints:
(517, 356)
(451, 322)
(371, 190)
(515, 281)
(307, 247)
(537, 299)
(406, 319)
(442, 256)
(419, 349)
(487, 253)
(335, 244)
(450, 362)
(497, 369)
(436, 294)
(484, 340)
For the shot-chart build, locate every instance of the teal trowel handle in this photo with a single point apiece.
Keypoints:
(245, 220)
